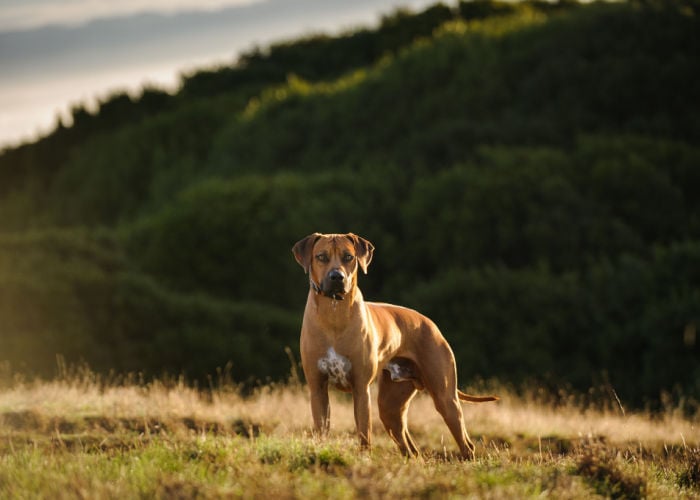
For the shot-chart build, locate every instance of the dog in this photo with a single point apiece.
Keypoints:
(348, 343)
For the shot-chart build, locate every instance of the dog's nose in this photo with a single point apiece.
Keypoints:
(336, 275)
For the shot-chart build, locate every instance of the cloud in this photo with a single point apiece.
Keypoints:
(18, 15)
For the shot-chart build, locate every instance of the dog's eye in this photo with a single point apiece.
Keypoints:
(348, 257)
(322, 257)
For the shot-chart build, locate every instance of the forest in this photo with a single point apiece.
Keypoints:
(528, 172)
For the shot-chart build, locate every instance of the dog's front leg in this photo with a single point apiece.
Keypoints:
(363, 422)
(320, 407)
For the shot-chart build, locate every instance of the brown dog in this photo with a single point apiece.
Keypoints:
(347, 342)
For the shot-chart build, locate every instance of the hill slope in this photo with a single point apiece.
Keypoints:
(527, 172)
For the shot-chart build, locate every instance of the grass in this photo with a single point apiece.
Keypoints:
(81, 437)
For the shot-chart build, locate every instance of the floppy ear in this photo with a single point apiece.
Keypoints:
(302, 250)
(363, 249)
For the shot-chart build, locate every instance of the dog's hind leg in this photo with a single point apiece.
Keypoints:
(451, 411)
(393, 401)
(443, 389)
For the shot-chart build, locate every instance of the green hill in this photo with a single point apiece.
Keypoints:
(528, 173)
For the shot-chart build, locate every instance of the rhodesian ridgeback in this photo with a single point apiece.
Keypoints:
(348, 343)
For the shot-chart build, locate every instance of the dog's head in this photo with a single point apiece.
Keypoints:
(332, 260)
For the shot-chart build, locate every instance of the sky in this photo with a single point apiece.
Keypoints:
(55, 54)
(23, 14)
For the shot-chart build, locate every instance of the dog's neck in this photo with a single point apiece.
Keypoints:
(337, 313)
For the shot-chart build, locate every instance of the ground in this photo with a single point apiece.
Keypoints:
(82, 437)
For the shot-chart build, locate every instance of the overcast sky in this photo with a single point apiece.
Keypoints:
(22, 14)
(58, 53)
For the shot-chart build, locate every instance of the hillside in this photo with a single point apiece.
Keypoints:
(528, 173)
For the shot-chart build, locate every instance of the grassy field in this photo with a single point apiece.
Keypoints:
(82, 437)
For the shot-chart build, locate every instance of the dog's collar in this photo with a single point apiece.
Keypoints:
(319, 291)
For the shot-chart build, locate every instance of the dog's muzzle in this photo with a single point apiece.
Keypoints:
(332, 286)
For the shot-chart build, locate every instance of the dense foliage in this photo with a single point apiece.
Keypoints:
(528, 173)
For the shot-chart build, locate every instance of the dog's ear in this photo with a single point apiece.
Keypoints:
(303, 248)
(363, 249)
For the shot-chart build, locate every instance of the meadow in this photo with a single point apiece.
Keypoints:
(85, 436)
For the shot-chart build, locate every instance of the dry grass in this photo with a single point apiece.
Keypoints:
(80, 437)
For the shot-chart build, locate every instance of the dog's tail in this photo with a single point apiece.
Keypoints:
(475, 399)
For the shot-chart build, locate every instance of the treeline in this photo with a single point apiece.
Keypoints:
(528, 173)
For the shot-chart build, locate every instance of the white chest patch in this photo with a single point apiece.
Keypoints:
(337, 368)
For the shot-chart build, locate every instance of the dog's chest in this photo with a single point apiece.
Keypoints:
(337, 367)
